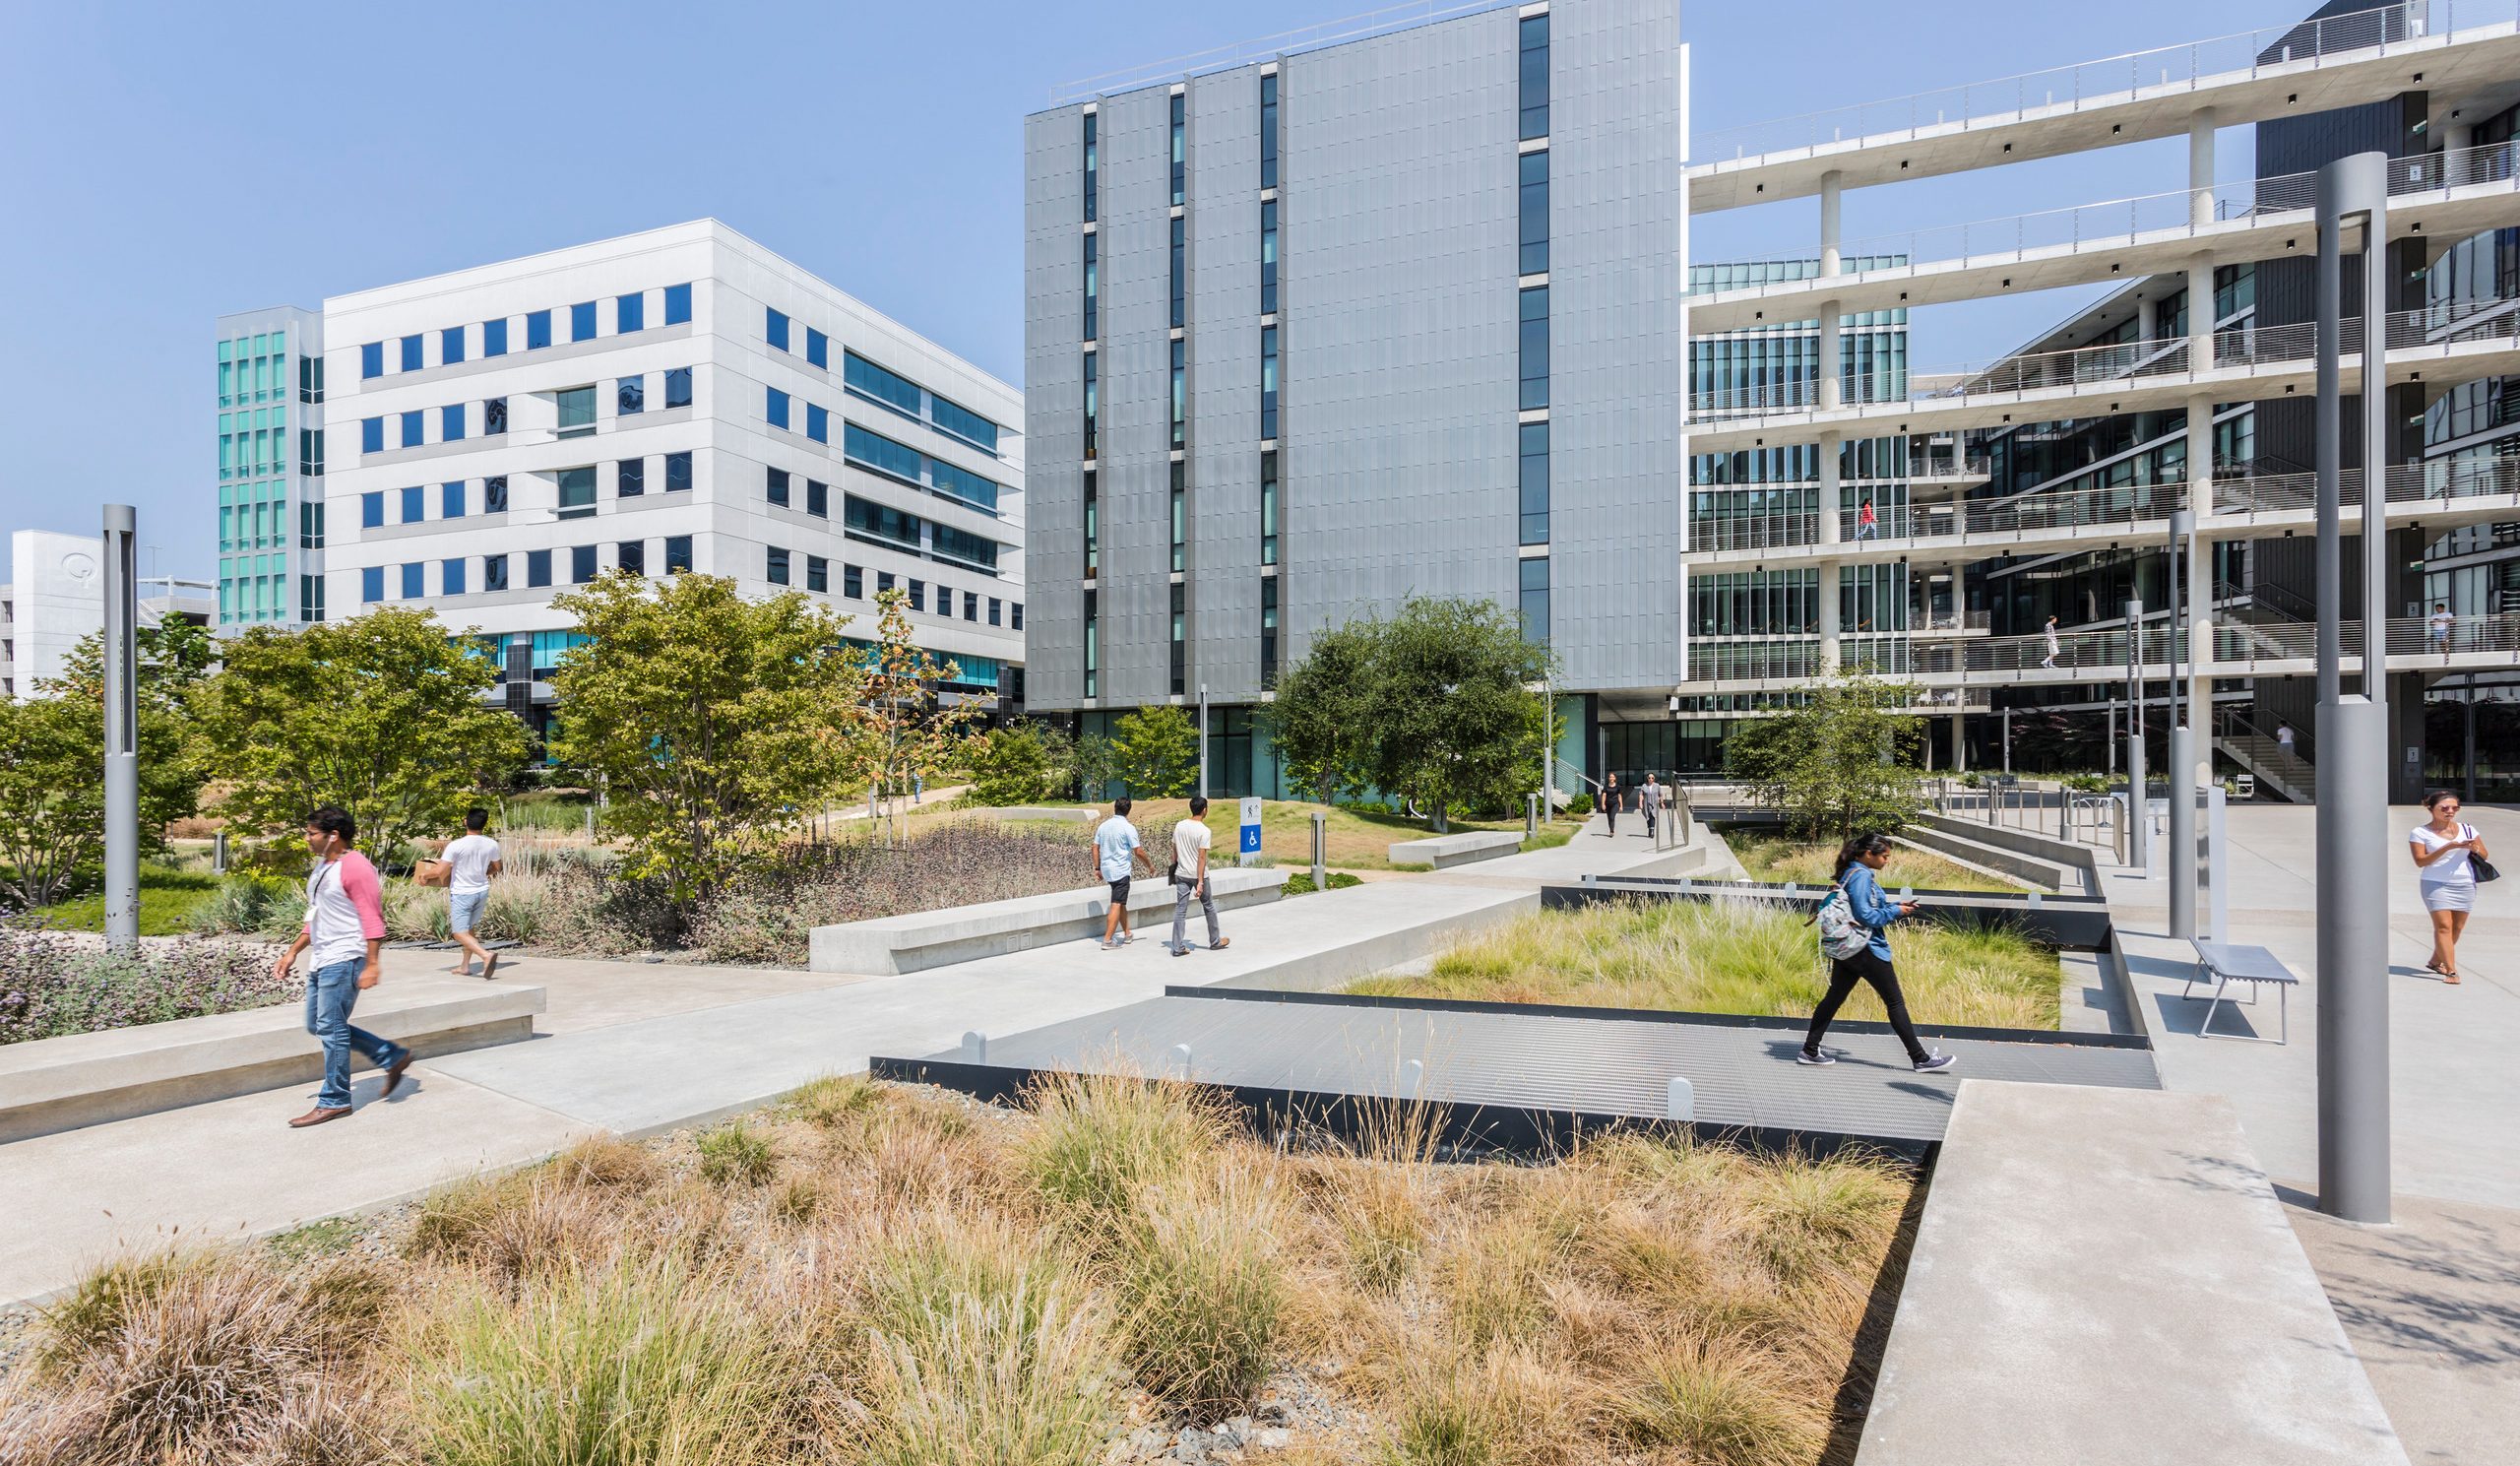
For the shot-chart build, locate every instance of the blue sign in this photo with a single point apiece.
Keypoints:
(1251, 840)
(1250, 813)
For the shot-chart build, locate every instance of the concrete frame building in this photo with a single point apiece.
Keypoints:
(1313, 331)
(55, 598)
(680, 399)
(271, 468)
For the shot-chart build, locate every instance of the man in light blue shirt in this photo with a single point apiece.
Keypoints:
(1117, 851)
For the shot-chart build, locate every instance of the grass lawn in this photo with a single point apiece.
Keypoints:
(169, 898)
(1732, 957)
(872, 1274)
(1773, 858)
(1356, 841)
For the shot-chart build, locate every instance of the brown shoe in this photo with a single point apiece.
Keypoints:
(319, 1115)
(393, 1075)
(489, 967)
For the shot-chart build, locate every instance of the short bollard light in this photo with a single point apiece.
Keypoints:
(975, 1047)
(1681, 1103)
(1180, 1058)
(1412, 1077)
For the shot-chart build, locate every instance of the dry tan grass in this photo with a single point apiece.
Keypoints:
(925, 1281)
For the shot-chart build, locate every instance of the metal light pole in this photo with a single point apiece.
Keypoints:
(122, 730)
(2182, 753)
(2139, 813)
(2353, 732)
(1203, 741)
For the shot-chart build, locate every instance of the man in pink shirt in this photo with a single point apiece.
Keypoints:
(344, 931)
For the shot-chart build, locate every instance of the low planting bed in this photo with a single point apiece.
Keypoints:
(1778, 859)
(53, 983)
(876, 1274)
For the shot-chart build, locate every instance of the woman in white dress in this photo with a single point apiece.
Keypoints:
(2447, 882)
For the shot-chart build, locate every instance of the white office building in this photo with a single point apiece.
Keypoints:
(55, 598)
(676, 399)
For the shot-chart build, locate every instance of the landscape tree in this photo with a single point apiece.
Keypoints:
(1011, 767)
(1841, 763)
(908, 734)
(1095, 765)
(1436, 705)
(1156, 751)
(712, 722)
(382, 715)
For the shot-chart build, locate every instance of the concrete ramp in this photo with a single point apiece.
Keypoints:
(2104, 1275)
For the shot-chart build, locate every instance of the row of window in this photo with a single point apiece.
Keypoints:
(255, 368)
(488, 574)
(780, 567)
(903, 531)
(486, 338)
(877, 454)
(573, 413)
(1532, 343)
(884, 387)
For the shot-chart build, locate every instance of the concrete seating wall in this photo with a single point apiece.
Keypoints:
(888, 946)
(50, 1085)
(1443, 852)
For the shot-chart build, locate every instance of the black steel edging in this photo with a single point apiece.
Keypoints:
(2053, 1038)
(1768, 888)
(2082, 926)
(1518, 1130)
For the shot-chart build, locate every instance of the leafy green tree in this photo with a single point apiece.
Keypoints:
(908, 734)
(1097, 765)
(1319, 721)
(1841, 763)
(381, 714)
(713, 721)
(1011, 767)
(1157, 749)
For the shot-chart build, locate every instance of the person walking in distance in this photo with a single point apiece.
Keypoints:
(1855, 920)
(2284, 738)
(471, 863)
(2049, 632)
(1865, 523)
(1609, 804)
(345, 931)
(2437, 627)
(1649, 803)
(1190, 841)
(2445, 854)
(1117, 851)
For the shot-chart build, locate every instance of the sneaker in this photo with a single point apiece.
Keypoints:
(1816, 1058)
(1109, 944)
(1935, 1063)
(1183, 950)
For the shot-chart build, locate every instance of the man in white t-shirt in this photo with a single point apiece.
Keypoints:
(471, 863)
(1117, 854)
(1190, 841)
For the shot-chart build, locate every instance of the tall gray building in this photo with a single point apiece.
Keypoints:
(1313, 332)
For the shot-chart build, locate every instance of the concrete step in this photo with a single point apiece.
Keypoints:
(1987, 859)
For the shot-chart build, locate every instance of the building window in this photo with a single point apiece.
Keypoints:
(817, 347)
(581, 328)
(1180, 638)
(310, 380)
(1535, 212)
(494, 494)
(1093, 526)
(1093, 645)
(415, 430)
(371, 436)
(581, 565)
(450, 423)
(678, 387)
(1180, 148)
(449, 500)
(817, 573)
(852, 581)
(1180, 515)
(630, 396)
(630, 312)
(1268, 131)
(776, 406)
(372, 360)
(414, 505)
(994, 609)
(778, 566)
(1268, 508)
(775, 327)
(818, 498)
(632, 556)
(1180, 253)
(371, 509)
(919, 595)
(577, 491)
(310, 525)
(1018, 613)
(1269, 633)
(371, 584)
(970, 606)
(677, 553)
(1536, 600)
(1268, 382)
(494, 338)
(817, 422)
(1535, 348)
(1535, 76)
(310, 452)
(450, 345)
(677, 472)
(537, 330)
(577, 410)
(494, 573)
(630, 478)
(414, 580)
(1535, 483)
(1268, 254)
(494, 416)
(1093, 162)
(778, 487)
(1180, 393)
(450, 577)
(1093, 402)
(412, 357)
(677, 311)
(1093, 286)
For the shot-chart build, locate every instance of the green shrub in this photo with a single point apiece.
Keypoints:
(1201, 1292)
(1103, 1137)
(737, 1155)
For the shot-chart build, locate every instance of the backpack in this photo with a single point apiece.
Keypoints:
(1841, 934)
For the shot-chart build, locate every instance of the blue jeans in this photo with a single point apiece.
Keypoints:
(331, 993)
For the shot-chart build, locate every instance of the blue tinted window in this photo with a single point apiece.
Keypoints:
(371, 583)
(494, 572)
(371, 359)
(777, 568)
(494, 416)
(774, 326)
(889, 388)
(537, 330)
(371, 509)
(678, 305)
(415, 430)
(494, 494)
(577, 487)
(1180, 150)
(964, 485)
(881, 522)
(412, 354)
(450, 345)
(1268, 131)
(494, 338)
(976, 550)
(415, 581)
(1536, 601)
(678, 387)
(777, 408)
(1535, 483)
(451, 423)
(630, 313)
(776, 487)
(818, 497)
(963, 423)
(631, 478)
(449, 500)
(1535, 76)
(1534, 346)
(371, 436)
(817, 423)
(1535, 212)
(677, 475)
(631, 395)
(537, 567)
(883, 455)
(581, 564)
(817, 347)
(581, 321)
(450, 577)
(414, 509)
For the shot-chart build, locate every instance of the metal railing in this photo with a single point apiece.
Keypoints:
(2194, 67)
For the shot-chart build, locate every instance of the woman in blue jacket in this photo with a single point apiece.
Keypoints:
(1858, 863)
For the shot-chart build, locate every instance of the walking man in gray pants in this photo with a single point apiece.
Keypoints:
(1190, 841)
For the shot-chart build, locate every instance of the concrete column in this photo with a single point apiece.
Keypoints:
(1960, 743)
(2199, 589)
(1829, 530)
(1832, 357)
(2200, 166)
(2147, 319)
(1832, 185)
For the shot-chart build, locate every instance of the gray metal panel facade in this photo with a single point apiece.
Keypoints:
(1617, 353)
(1224, 385)
(1135, 487)
(1053, 403)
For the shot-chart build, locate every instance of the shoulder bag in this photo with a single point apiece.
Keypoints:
(2477, 865)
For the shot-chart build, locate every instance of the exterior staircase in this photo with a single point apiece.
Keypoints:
(2287, 774)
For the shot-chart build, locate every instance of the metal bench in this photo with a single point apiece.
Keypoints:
(2227, 963)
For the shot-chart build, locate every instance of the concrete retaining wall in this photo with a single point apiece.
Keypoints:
(1443, 852)
(1022, 813)
(1332, 969)
(888, 946)
(1961, 845)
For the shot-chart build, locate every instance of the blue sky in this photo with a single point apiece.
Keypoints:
(169, 162)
